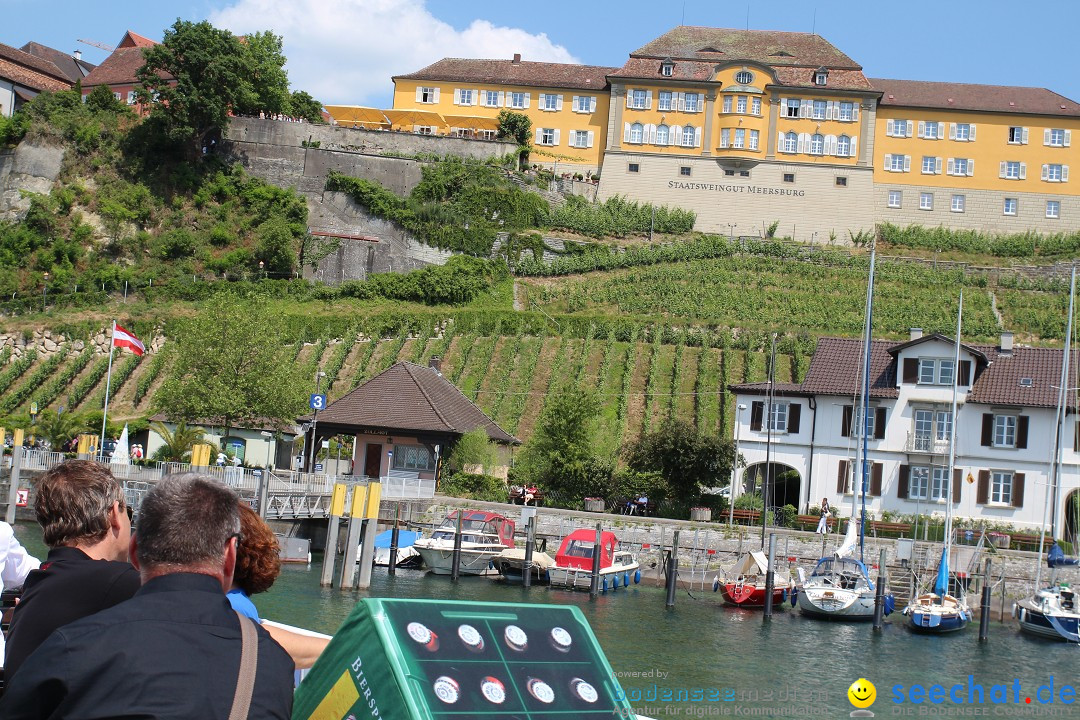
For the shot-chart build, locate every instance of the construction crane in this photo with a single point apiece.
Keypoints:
(94, 43)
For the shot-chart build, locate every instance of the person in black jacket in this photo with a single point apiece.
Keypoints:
(86, 523)
(173, 650)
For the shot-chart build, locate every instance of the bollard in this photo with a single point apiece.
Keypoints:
(984, 607)
(672, 571)
(352, 537)
(337, 507)
(769, 580)
(879, 592)
(367, 537)
(13, 482)
(392, 569)
(530, 539)
(455, 561)
(1002, 618)
(594, 581)
(264, 491)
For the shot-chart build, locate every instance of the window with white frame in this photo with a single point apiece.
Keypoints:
(1017, 135)
(926, 201)
(461, 132)
(791, 142)
(725, 137)
(587, 103)
(638, 99)
(740, 138)
(1004, 431)
(413, 457)
(691, 102)
(491, 98)
(857, 425)
(957, 204)
(1010, 206)
(740, 105)
(924, 430)
(1012, 170)
(1054, 172)
(820, 78)
(778, 417)
(897, 163)
(919, 482)
(1053, 209)
(486, 134)
(662, 135)
(727, 103)
(895, 198)
(664, 101)
(929, 165)
(939, 483)
(793, 105)
(636, 133)
(1001, 487)
(688, 136)
(131, 97)
(744, 77)
(817, 144)
(424, 129)
(897, 128)
(1055, 137)
(931, 130)
(580, 138)
(843, 146)
(517, 99)
(936, 371)
(547, 136)
(962, 131)
(961, 166)
(755, 105)
(667, 69)
(465, 96)
(549, 102)
(819, 109)
(943, 424)
(846, 112)
(428, 95)
(117, 94)
(753, 142)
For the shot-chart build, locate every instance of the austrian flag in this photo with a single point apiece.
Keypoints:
(122, 338)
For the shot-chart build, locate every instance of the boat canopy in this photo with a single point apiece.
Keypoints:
(478, 521)
(405, 538)
(752, 563)
(576, 550)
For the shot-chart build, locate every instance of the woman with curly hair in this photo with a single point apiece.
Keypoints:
(258, 563)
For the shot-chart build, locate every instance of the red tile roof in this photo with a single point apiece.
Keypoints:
(837, 80)
(31, 72)
(132, 39)
(413, 398)
(764, 46)
(979, 98)
(71, 68)
(507, 72)
(837, 363)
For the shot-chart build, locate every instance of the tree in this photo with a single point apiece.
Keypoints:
(474, 449)
(59, 427)
(559, 456)
(302, 105)
(177, 442)
(198, 74)
(232, 364)
(517, 127)
(687, 460)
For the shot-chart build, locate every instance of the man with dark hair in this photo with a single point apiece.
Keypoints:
(86, 524)
(175, 650)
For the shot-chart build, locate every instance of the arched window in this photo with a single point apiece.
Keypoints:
(635, 133)
(688, 136)
(662, 135)
(791, 142)
(843, 146)
(817, 144)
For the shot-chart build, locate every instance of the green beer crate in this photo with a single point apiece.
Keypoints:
(449, 660)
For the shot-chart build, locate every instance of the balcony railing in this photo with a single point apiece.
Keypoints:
(926, 444)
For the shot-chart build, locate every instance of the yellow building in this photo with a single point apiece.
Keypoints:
(746, 127)
(568, 104)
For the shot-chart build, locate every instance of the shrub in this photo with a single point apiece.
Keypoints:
(475, 487)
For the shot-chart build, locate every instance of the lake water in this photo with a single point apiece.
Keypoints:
(702, 659)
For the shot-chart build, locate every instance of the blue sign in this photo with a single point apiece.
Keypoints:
(318, 467)
(317, 402)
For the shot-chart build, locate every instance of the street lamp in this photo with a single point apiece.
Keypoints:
(735, 468)
(314, 421)
(731, 231)
(45, 291)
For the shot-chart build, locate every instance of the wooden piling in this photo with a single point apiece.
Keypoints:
(594, 581)
(879, 592)
(672, 571)
(530, 540)
(455, 560)
(984, 606)
(770, 582)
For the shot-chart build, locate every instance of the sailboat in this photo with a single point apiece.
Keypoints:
(1053, 611)
(839, 586)
(942, 611)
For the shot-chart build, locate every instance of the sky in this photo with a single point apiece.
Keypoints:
(345, 51)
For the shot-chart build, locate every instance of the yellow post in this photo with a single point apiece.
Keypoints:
(200, 455)
(85, 440)
(17, 437)
(337, 501)
(359, 502)
(374, 495)
(3, 436)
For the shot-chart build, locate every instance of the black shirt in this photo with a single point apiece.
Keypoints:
(172, 651)
(68, 586)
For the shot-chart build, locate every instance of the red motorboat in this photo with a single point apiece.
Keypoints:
(744, 586)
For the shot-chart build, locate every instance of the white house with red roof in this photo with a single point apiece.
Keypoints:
(1006, 432)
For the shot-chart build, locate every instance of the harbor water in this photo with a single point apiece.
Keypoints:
(702, 659)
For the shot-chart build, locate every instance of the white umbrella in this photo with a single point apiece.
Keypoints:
(120, 454)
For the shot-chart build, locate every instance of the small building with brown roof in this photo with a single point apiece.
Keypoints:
(71, 64)
(404, 420)
(1006, 431)
(23, 76)
(118, 70)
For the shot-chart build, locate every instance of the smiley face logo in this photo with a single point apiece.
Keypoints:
(862, 693)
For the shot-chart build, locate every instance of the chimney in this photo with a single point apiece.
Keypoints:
(916, 333)
(77, 54)
(435, 363)
(517, 59)
(1006, 347)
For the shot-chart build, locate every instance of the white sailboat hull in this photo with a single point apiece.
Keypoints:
(832, 603)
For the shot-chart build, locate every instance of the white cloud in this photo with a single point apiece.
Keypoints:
(345, 51)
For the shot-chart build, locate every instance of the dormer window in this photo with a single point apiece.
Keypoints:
(667, 68)
(821, 77)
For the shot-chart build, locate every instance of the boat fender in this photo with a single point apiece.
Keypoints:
(715, 584)
(783, 596)
(626, 579)
(794, 596)
(890, 604)
(604, 582)
(637, 576)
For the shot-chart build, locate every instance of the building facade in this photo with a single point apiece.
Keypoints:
(1006, 432)
(747, 127)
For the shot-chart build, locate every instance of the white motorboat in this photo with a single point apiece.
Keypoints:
(483, 536)
(574, 562)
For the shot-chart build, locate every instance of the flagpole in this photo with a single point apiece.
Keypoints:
(108, 384)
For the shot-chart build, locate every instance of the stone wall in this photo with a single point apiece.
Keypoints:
(46, 342)
(984, 210)
(30, 167)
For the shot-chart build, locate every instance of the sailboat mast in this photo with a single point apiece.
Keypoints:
(865, 402)
(952, 430)
(768, 442)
